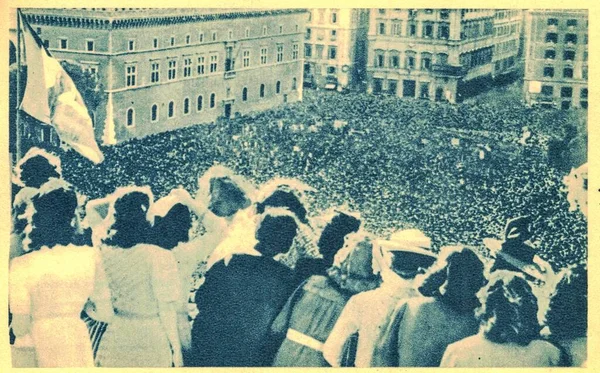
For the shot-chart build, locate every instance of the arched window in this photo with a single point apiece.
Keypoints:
(213, 100)
(199, 103)
(186, 106)
(278, 87)
(294, 84)
(130, 117)
(261, 92)
(245, 94)
(154, 112)
(171, 109)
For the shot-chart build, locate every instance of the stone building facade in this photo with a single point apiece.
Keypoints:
(436, 54)
(335, 48)
(556, 58)
(163, 69)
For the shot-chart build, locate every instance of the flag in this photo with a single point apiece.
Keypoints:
(52, 98)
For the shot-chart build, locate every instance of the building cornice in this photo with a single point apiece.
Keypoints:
(95, 22)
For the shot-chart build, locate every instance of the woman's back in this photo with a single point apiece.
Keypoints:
(312, 313)
(427, 327)
(131, 274)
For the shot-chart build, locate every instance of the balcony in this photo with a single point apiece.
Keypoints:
(229, 74)
(448, 70)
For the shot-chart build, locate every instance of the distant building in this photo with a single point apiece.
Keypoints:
(439, 54)
(556, 59)
(335, 48)
(163, 69)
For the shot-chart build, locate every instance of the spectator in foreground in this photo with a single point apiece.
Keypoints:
(239, 301)
(50, 285)
(311, 312)
(568, 313)
(509, 333)
(371, 314)
(445, 313)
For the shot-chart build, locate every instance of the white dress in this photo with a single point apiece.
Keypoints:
(52, 286)
(139, 278)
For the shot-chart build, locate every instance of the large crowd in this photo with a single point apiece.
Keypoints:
(393, 160)
(346, 230)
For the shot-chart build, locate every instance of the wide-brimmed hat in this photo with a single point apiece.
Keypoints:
(406, 252)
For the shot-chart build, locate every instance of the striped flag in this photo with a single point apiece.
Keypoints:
(52, 98)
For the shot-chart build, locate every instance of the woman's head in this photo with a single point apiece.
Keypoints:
(276, 232)
(333, 235)
(172, 216)
(52, 215)
(37, 167)
(286, 193)
(567, 315)
(352, 269)
(223, 192)
(508, 312)
(129, 224)
(455, 278)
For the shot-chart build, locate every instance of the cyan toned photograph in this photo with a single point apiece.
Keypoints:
(298, 187)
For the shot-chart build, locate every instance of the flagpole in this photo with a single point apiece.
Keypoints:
(18, 100)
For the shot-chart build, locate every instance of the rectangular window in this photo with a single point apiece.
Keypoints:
(131, 45)
(187, 67)
(410, 62)
(568, 72)
(63, 43)
(201, 37)
(333, 35)
(280, 29)
(571, 38)
(89, 45)
(333, 17)
(200, 65)
(444, 30)
(552, 22)
(265, 30)
(550, 54)
(319, 51)
(155, 43)
(396, 28)
(583, 93)
(547, 90)
(214, 59)
(246, 58)
(130, 75)
(551, 37)
(307, 50)
(381, 28)
(425, 63)
(47, 43)
(279, 56)
(444, 13)
(172, 74)
(412, 29)
(379, 60)
(188, 39)
(172, 41)
(566, 92)
(395, 62)
(308, 34)
(571, 23)
(568, 55)
(295, 51)
(548, 72)
(263, 56)
(155, 75)
(332, 52)
(427, 30)
(214, 36)
(230, 34)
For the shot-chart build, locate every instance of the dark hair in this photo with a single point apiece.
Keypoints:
(568, 310)
(36, 171)
(131, 224)
(275, 234)
(508, 311)
(287, 199)
(354, 273)
(234, 194)
(332, 237)
(460, 274)
(168, 231)
(52, 221)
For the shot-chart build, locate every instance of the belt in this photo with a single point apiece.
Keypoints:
(131, 315)
(303, 339)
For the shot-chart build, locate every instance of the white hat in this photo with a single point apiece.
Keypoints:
(219, 171)
(408, 240)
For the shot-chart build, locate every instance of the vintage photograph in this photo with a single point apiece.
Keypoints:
(298, 187)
